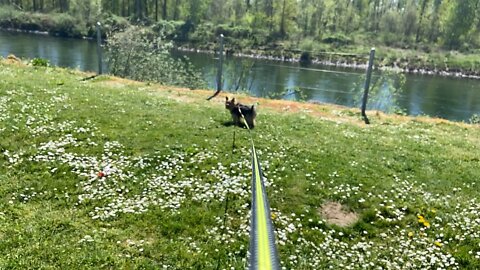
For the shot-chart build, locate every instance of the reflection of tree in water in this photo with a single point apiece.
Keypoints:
(239, 75)
(383, 94)
(268, 80)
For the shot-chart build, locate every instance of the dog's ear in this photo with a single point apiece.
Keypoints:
(253, 107)
(233, 100)
(226, 99)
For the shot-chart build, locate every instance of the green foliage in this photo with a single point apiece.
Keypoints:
(459, 24)
(11, 18)
(40, 62)
(308, 25)
(140, 54)
(475, 119)
(203, 34)
(337, 39)
(295, 93)
(307, 45)
(454, 24)
(110, 23)
(240, 74)
(67, 26)
(171, 29)
(383, 93)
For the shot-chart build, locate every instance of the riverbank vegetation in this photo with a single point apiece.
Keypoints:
(111, 173)
(411, 35)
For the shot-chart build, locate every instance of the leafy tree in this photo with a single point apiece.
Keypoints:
(454, 24)
(460, 21)
(139, 54)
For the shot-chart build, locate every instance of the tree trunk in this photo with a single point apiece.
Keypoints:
(145, 9)
(138, 9)
(422, 11)
(164, 10)
(175, 12)
(269, 12)
(282, 23)
(156, 10)
(113, 7)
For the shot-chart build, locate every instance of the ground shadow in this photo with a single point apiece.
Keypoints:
(228, 123)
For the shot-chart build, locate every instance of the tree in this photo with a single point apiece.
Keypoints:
(164, 10)
(459, 23)
(282, 23)
(176, 10)
(139, 15)
(422, 12)
(287, 13)
(138, 54)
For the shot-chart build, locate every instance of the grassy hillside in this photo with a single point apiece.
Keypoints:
(114, 174)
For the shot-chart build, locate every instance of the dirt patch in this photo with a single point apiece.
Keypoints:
(12, 60)
(333, 213)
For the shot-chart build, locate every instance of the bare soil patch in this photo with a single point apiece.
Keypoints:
(333, 213)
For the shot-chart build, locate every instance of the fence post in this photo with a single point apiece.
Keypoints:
(219, 70)
(367, 85)
(220, 65)
(99, 48)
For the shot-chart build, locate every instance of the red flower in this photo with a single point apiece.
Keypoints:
(101, 174)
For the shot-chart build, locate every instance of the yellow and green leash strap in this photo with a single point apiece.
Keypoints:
(263, 251)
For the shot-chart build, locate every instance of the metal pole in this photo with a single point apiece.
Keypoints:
(99, 48)
(220, 65)
(367, 84)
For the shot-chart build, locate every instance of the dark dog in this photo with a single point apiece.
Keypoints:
(241, 113)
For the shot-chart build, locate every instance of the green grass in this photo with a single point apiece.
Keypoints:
(169, 163)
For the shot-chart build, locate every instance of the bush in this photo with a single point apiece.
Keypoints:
(383, 94)
(203, 34)
(67, 26)
(60, 24)
(337, 39)
(111, 23)
(237, 32)
(171, 29)
(475, 119)
(39, 62)
(307, 45)
(143, 55)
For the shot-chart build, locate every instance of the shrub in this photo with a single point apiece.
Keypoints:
(67, 26)
(307, 45)
(383, 93)
(203, 33)
(141, 54)
(171, 29)
(112, 22)
(337, 39)
(39, 62)
(475, 119)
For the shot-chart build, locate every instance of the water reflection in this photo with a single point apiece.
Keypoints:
(450, 98)
(63, 52)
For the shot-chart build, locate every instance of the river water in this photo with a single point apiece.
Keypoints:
(445, 97)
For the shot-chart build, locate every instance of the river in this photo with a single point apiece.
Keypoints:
(445, 97)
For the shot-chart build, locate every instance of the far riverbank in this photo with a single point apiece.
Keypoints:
(419, 59)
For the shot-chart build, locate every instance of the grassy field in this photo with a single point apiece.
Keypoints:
(115, 174)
